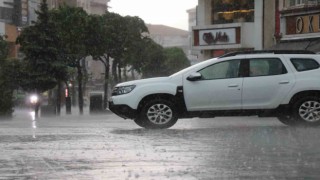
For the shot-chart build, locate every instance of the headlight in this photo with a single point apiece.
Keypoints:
(34, 99)
(122, 90)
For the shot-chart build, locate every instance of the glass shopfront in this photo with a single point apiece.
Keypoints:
(232, 11)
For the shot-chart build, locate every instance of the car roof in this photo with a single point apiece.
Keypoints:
(236, 53)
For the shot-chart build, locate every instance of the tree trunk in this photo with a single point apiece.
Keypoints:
(106, 64)
(85, 73)
(119, 73)
(67, 99)
(36, 110)
(59, 98)
(80, 96)
(106, 82)
(50, 98)
(132, 74)
(73, 93)
(114, 71)
(125, 73)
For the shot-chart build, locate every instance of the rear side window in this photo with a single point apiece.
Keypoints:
(266, 67)
(303, 64)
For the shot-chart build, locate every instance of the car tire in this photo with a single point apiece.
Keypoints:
(157, 114)
(287, 120)
(140, 123)
(306, 111)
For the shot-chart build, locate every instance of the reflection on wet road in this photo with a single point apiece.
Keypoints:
(106, 147)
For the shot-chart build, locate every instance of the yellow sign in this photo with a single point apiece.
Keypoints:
(307, 24)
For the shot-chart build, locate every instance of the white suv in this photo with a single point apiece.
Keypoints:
(282, 84)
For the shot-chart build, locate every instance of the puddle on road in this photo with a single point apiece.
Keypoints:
(42, 138)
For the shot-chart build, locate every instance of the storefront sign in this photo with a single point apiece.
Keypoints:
(217, 37)
(303, 24)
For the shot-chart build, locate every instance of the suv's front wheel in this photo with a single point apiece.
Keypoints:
(157, 114)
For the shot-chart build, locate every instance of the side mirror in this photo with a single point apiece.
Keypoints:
(194, 77)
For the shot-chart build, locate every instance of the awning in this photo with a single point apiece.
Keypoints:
(311, 45)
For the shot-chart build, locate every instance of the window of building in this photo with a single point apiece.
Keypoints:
(303, 2)
(304, 64)
(232, 11)
(6, 14)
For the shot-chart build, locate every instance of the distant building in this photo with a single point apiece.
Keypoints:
(169, 37)
(233, 25)
(13, 15)
(298, 25)
(99, 6)
(90, 6)
(193, 55)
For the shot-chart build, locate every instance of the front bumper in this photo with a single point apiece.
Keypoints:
(123, 111)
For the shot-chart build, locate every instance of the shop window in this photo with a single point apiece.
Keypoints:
(303, 2)
(232, 11)
(300, 2)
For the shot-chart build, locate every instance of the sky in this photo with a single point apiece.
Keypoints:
(171, 13)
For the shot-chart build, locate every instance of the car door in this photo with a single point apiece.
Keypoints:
(217, 88)
(267, 83)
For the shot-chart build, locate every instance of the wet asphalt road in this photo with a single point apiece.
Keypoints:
(107, 147)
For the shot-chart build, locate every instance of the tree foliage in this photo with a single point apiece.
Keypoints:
(153, 60)
(175, 60)
(65, 36)
(43, 67)
(136, 42)
(6, 84)
(72, 25)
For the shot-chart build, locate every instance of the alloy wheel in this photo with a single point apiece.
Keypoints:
(159, 114)
(310, 111)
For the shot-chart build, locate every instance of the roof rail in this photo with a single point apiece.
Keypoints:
(267, 52)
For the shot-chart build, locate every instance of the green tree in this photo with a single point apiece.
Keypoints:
(153, 60)
(6, 85)
(118, 34)
(175, 60)
(106, 38)
(72, 24)
(43, 66)
(100, 46)
(136, 41)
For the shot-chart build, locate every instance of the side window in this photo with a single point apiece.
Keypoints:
(302, 64)
(266, 67)
(222, 70)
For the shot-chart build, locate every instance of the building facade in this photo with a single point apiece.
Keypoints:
(231, 25)
(90, 6)
(193, 55)
(299, 25)
(13, 16)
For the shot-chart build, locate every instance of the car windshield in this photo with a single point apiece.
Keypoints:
(163, 90)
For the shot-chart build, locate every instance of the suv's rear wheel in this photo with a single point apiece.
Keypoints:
(287, 120)
(306, 111)
(157, 114)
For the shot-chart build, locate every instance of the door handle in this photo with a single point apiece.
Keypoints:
(233, 85)
(284, 82)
